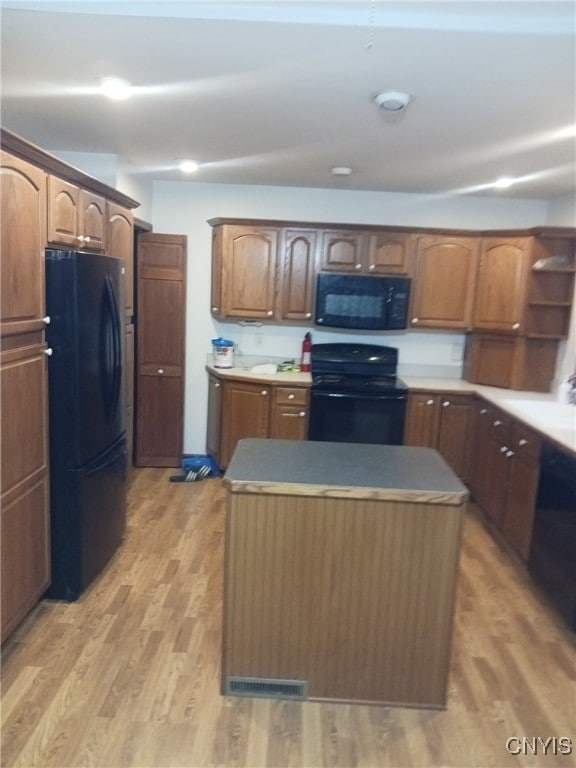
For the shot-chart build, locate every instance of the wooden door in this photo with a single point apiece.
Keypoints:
(444, 282)
(245, 413)
(455, 432)
(501, 289)
(63, 212)
(422, 419)
(297, 274)
(92, 223)
(390, 253)
(249, 264)
(160, 329)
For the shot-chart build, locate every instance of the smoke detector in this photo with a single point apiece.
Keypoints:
(392, 101)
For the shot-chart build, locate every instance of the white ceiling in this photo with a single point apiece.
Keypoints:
(279, 92)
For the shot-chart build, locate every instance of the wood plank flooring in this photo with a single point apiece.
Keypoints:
(130, 674)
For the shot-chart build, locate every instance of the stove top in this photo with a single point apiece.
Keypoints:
(355, 368)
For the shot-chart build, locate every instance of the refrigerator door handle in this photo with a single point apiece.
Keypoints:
(110, 349)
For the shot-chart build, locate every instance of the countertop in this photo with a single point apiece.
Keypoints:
(542, 412)
(352, 470)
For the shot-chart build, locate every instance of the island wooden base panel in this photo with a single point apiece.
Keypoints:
(129, 676)
(353, 596)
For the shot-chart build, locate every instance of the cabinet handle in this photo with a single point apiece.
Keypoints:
(290, 396)
(483, 411)
(46, 320)
(302, 414)
(429, 402)
(264, 392)
(308, 314)
(509, 454)
(516, 326)
(48, 351)
(269, 313)
(358, 266)
(87, 239)
(160, 370)
(522, 441)
(372, 267)
(414, 319)
(497, 423)
(446, 403)
(216, 385)
(214, 309)
(80, 239)
(504, 449)
(294, 415)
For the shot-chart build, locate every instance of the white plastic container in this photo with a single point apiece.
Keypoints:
(223, 353)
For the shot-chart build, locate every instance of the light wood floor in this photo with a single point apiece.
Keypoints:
(129, 675)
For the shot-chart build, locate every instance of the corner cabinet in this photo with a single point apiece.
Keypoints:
(25, 518)
(238, 408)
(443, 421)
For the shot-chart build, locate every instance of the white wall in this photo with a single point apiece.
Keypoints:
(184, 207)
(562, 211)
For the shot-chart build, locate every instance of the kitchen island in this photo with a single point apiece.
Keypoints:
(340, 572)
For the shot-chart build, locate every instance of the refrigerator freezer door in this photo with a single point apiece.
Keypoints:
(83, 300)
(88, 520)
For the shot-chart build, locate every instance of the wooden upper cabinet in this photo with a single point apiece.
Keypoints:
(298, 269)
(502, 283)
(342, 250)
(120, 243)
(249, 264)
(23, 240)
(444, 283)
(76, 217)
(389, 253)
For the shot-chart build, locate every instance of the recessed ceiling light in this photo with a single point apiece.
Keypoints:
(188, 166)
(504, 182)
(116, 88)
(341, 170)
(392, 101)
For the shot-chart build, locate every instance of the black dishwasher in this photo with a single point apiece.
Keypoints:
(553, 549)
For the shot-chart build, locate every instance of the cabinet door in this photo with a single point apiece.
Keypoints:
(390, 253)
(120, 243)
(497, 465)
(25, 517)
(479, 452)
(161, 319)
(520, 504)
(249, 257)
(341, 251)
(422, 420)
(297, 274)
(289, 417)
(455, 432)
(444, 282)
(22, 244)
(63, 213)
(129, 391)
(213, 437)
(217, 276)
(92, 222)
(501, 290)
(245, 413)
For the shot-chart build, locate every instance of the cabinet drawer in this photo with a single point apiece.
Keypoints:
(290, 396)
(525, 443)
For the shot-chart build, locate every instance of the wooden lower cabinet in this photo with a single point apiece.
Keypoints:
(239, 409)
(25, 519)
(444, 422)
(506, 468)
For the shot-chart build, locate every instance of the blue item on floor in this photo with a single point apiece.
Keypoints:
(201, 463)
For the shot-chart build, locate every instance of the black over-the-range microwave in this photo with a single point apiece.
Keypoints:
(370, 302)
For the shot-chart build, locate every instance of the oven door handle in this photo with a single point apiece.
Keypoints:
(359, 395)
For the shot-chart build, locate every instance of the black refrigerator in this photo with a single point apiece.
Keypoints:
(88, 461)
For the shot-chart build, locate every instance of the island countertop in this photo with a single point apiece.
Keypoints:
(352, 470)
